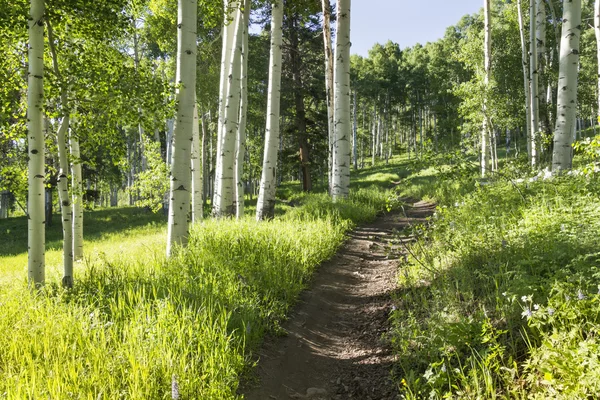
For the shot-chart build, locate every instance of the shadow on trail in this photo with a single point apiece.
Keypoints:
(335, 346)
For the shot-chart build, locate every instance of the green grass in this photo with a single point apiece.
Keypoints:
(136, 324)
(500, 298)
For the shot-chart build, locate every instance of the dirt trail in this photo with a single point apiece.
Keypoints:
(333, 349)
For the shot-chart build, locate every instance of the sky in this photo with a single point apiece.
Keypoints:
(406, 22)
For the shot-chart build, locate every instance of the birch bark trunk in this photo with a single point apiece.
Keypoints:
(180, 185)
(328, 85)
(196, 167)
(77, 196)
(533, 70)
(526, 78)
(224, 197)
(63, 169)
(597, 32)
(487, 48)
(36, 148)
(566, 107)
(341, 118)
(240, 154)
(228, 32)
(265, 206)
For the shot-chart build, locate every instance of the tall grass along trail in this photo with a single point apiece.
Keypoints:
(335, 346)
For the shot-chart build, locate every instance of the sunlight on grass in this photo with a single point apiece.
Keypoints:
(134, 322)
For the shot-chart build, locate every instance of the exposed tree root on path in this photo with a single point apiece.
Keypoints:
(334, 348)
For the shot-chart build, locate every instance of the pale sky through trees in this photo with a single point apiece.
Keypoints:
(404, 22)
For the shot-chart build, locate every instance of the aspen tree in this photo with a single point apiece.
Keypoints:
(540, 35)
(341, 116)
(533, 70)
(265, 206)
(63, 170)
(328, 86)
(566, 107)
(196, 166)
(36, 232)
(77, 195)
(224, 197)
(487, 48)
(526, 77)
(180, 179)
(597, 31)
(240, 153)
(228, 42)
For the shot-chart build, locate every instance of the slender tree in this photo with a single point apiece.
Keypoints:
(35, 139)
(180, 179)
(63, 168)
(224, 196)
(526, 77)
(328, 86)
(341, 116)
(533, 69)
(597, 31)
(265, 207)
(540, 35)
(196, 166)
(240, 148)
(226, 52)
(566, 107)
(487, 46)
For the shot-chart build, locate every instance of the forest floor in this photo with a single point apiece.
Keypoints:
(335, 346)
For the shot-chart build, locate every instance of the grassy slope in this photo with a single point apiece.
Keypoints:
(137, 326)
(501, 296)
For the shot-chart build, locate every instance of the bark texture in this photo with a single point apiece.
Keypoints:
(341, 118)
(566, 107)
(240, 146)
(597, 32)
(328, 86)
(36, 231)
(265, 207)
(196, 166)
(487, 49)
(180, 182)
(224, 196)
(533, 70)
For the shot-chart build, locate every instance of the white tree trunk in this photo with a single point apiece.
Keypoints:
(65, 201)
(63, 170)
(265, 206)
(196, 166)
(354, 129)
(224, 196)
(487, 49)
(180, 185)
(227, 46)
(240, 147)
(341, 116)
(77, 202)
(566, 107)
(328, 86)
(36, 233)
(540, 34)
(597, 31)
(533, 69)
(526, 78)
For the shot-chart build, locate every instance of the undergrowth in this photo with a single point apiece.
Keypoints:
(142, 327)
(501, 296)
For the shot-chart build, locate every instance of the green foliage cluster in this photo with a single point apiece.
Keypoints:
(152, 184)
(499, 298)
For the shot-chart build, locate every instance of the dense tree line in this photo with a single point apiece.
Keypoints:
(122, 117)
